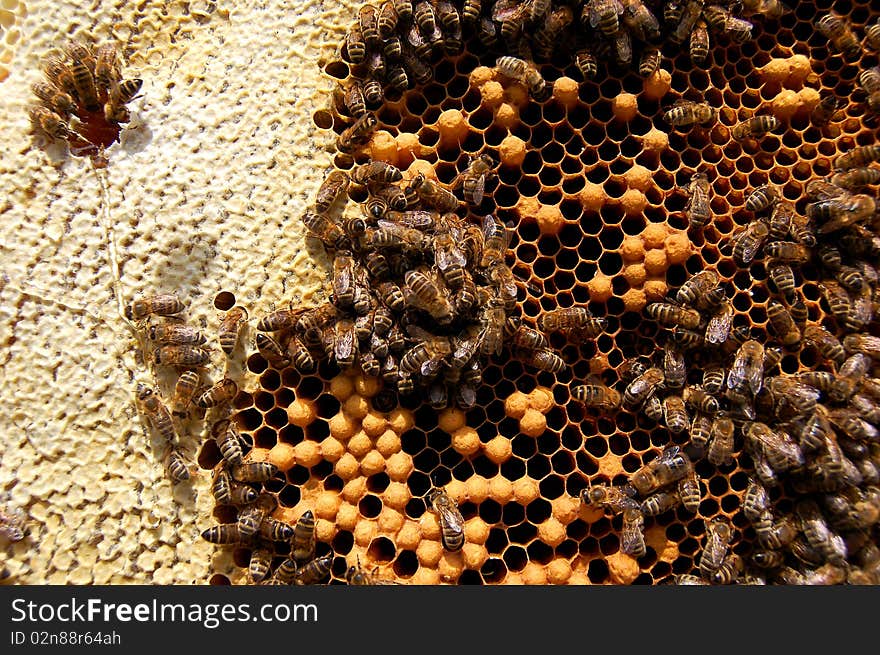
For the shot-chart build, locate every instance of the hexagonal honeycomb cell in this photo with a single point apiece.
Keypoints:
(593, 185)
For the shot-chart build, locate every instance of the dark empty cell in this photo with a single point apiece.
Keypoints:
(406, 564)
(553, 486)
(219, 580)
(597, 571)
(610, 263)
(730, 503)
(388, 116)
(469, 577)
(708, 507)
(515, 558)
(256, 363)
(298, 475)
(274, 485)
(209, 455)
(289, 496)
(370, 506)
(688, 546)
(497, 541)
(540, 552)
(382, 549)
(631, 463)
(265, 437)
(419, 483)
(522, 533)
(644, 578)
(609, 544)
(342, 543)
(413, 441)
(276, 418)
(550, 176)
(528, 186)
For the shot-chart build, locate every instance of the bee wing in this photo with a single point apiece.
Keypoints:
(344, 344)
(479, 189)
(719, 325)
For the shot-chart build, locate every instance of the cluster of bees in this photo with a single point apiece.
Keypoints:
(391, 47)
(420, 297)
(83, 99)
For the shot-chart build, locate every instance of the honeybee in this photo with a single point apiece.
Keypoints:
(422, 292)
(260, 563)
(671, 466)
(622, 47)
(357, 134)
(542, 359)
(761, 198)
(721, 446)
(106, 65)
(551, 28)
(124, 91)
(602, 15)
(824, 111)
(184, 390)
(754, 127)
(357, 576)
(696, 287)
(699, 42)
(856, 177)
(689, 492)
(280, 319)
(713, 379)
(783, 324)
(853, 369)
(597, 395)
(615, 499)
(219, 394)
(84, 83)
(228, 440)
(862, 343)
(332, 187)
(783, 278)
(470, 12)
(818, 534)
(700, 400)
(748, 241)
(55, 99)
(160, 305)
(496, 238)
(648, 62)
(303, 544)
(223, 534)
(842, 213)
(777, 446)
(673, 315)
(675, 415)
(586, 63)
(686, 113)
(632, 537)
(697, 207)
(473, 179)
(271, 351)
(434, 195)
(642, 387)
(838, 300)
(748, 367)
(700, 431)
(373, 95)
(175, 463)
(718, 327)
(718, 537)
(858, 157)
(321, 226)
(450, 260)
(230, 328)
(674, 368)
(376, 171)
(253, 471)
(181, 356)
(178, 334)
(314, 571)
(835, 29)
(689, 13)
(729, 571)
(451, 520)
(227, 492)
(652, 408)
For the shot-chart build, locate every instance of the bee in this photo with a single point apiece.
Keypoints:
(376, 171)
(227, 492)
(332, 187)
(825, 109)
(802, 231)
(838, 300)
(697, 287)
(451, 520)
(700, 400)
(106, 66)
(450, 260)
(280, 319)
(223, 534)
(60, 75)
(632, 536)
(718, 537)
(322, 227)
(748, 241)
(368, 21)
(674, 368)
(271, 351)
(357, 134)
(777, 446)
(373, 94)
(543, 360)
(697, 207)
(689, 492)
(615, 499)
(178, 334)
(783, 324)
(675, 415)
(713, 379)
(642, 387)
(314, 571)
(858, 157)
(748, 367)
(586, 63)
(181, 356)
(856, 177)
(762, 198)
(700, 431)
(253, 471)
(230, 328)
(303, 544)
(623, 47)
(473, 179)
(550, 28)
(434, 195)
(699, 43)
(260, 563)
(84, 83)
(161, 305)
(219, 394)
(818, 535)
(184, 390)
(783, 278)
(730, 570)
(672, 315)
(597, 395)
(387, 19)
(176, 465)
(718, 327)
(422, 292)
(649, 62)
(357, 576)
(391, 296)
(671, 466)
(721, 447)
(835, 29)
(754, 127)
(603, 15)
(228, 440)
(851, 371)
(851, 278)
(124, 92)
(840, 214)
(54, 99)
(426, 354)
(300, 356)
(652, 408)
(496, 239)
(862, 343)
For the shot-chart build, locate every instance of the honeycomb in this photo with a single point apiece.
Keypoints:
(591, 181)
